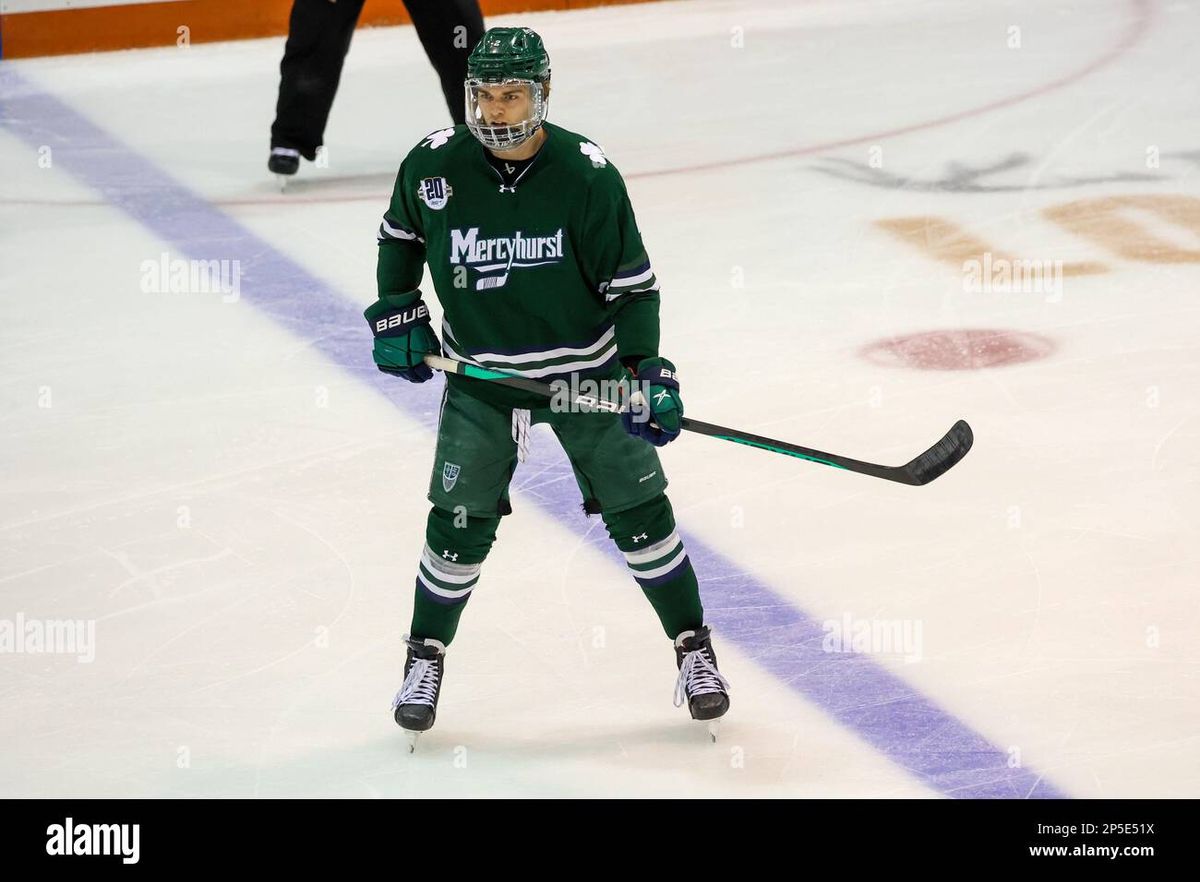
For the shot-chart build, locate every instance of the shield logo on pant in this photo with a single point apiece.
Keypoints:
(449, 476)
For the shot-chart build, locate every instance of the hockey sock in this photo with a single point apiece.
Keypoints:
(659, 563)
(455, 548)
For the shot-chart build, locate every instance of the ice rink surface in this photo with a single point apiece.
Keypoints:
(233, 498)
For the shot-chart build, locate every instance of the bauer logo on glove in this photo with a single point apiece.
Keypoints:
(402, 337)
(655, 409)
(402, 319)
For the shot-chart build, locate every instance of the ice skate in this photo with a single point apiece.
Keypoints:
(700, 683)
(415, 705)
(284, 162)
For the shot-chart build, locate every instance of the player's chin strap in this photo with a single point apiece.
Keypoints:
(922, 469)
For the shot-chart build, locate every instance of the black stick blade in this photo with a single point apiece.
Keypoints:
(942, 456)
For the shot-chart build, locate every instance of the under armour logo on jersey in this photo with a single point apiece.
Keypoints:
(437, 139)
(595, 153)
(504, 189)
(640, 537)
(450, 555)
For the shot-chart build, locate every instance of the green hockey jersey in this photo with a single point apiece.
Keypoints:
(542, 277)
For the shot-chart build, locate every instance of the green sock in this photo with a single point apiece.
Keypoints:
(677, 600)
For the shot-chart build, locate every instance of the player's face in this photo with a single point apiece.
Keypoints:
(504, 105)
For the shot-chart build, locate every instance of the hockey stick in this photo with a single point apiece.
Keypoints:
(934, 462)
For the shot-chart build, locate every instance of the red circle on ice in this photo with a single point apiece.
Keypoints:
(958, 350)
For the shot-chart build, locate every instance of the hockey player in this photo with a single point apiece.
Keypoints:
(537, 261)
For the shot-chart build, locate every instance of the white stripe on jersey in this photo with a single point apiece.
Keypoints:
(535, 373)
(626, 281)
(544, 354)
(610, 297)
(387, 231)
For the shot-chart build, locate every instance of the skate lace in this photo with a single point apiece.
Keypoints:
(698, 676)
(420, 686)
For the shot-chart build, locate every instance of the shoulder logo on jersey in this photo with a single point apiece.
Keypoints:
(495, 258)
(595, 153)
(437, 139)
(434, 192)
(449, 476)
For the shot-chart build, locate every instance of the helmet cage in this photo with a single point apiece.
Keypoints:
(511, 135)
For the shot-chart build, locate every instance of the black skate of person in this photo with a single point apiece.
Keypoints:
(319, 33)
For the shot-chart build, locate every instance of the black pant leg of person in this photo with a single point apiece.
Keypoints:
(319, 35)
(449, 30)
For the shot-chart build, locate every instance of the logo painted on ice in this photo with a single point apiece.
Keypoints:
(595, 153)
(449, 476)
(436, 139)
(435, 192)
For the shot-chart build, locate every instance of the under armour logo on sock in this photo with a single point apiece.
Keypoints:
(449, 555)
(641, 537)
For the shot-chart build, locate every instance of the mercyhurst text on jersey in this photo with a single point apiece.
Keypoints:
(543, 276)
